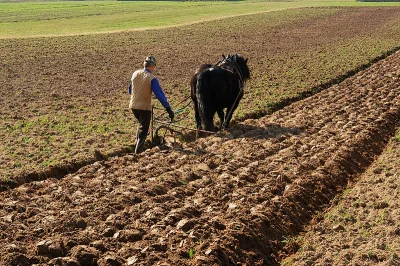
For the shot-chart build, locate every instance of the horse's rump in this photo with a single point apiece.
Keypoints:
(213, 93)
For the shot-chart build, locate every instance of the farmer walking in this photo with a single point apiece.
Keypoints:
(143, 83)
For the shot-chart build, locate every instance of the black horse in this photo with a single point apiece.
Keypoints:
(216, 87)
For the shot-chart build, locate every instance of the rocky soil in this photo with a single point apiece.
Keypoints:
(231, 199)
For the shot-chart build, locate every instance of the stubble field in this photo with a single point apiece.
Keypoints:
(234, 199)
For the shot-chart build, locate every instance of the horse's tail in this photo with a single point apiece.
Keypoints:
(201, 95)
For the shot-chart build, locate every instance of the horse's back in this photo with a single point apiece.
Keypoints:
(214, 77)
(214, 89)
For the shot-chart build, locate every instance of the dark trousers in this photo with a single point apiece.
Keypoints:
(144, 119)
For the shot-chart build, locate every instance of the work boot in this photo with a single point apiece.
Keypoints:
(139, 146)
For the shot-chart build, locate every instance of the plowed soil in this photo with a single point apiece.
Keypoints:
(362, 228)
(222, 200)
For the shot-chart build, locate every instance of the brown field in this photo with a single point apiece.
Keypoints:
(362, 227)
(231, 199)
(64, 101)
(235, 199)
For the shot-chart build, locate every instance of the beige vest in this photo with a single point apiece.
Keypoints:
(141, 90)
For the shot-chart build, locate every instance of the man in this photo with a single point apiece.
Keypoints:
(143, 83)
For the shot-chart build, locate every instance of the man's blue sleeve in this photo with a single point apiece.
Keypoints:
(159, 93)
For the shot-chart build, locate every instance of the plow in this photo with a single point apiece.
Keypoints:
(161, 128)
(220, 86)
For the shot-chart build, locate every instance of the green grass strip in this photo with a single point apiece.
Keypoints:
(33, 19)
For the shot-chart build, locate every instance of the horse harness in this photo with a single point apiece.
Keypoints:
(234, 69)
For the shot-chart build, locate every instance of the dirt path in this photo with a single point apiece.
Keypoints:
(228, 200)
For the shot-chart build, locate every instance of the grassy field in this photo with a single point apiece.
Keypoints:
(28, 19)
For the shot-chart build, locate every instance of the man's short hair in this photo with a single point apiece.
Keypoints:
(149, 61)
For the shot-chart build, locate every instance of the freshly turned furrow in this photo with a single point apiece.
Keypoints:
(231, 199)
(368, 115)
(354, 128)
(325, 151)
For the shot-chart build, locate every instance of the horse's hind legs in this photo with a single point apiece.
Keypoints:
(209, 123)
(197, 116)
(221, 118)
(229, 113)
